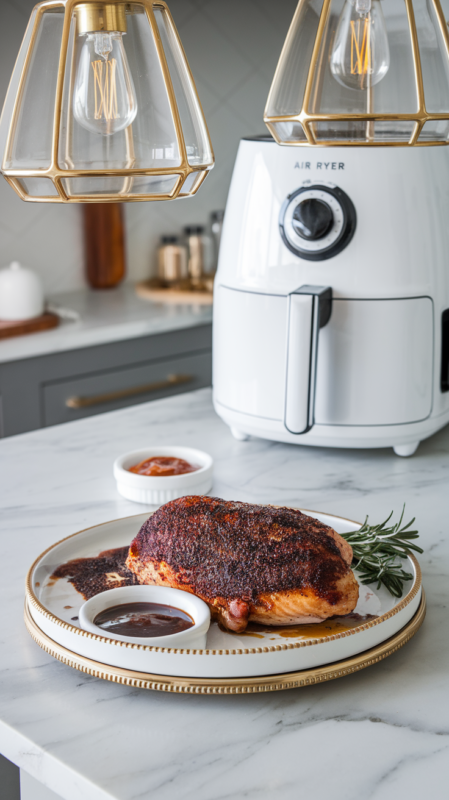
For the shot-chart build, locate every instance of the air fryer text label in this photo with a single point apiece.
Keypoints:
(323, 165)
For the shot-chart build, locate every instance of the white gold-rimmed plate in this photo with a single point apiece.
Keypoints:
(54, 607)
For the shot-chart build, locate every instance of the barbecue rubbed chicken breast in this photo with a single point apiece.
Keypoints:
(275, 566)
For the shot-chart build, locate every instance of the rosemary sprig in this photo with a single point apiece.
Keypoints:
(376, 549)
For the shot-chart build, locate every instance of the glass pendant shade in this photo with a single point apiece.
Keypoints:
(363, 72)
(102, 107)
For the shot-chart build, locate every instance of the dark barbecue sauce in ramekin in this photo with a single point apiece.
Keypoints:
(143, 620)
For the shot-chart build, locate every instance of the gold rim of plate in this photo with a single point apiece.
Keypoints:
(33, 601)
(254, 685)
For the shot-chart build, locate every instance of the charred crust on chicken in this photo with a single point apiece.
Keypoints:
(248, 562)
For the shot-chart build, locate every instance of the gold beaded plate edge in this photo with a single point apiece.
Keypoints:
(53, 606)
(252, 685)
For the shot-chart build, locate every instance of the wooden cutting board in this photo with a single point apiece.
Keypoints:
(160, 295)
(9, 328)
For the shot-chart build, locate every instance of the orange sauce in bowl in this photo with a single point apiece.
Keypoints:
(163, 466)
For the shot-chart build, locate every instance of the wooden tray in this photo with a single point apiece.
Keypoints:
(160, 295)
(45, 322)
(254, 685)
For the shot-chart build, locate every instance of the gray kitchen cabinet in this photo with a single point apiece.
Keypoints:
(9, 780)
(46, 390)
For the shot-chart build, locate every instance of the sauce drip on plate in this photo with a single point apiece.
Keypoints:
(90, 576)
(317, 630)
(143, 620)
(163, 466)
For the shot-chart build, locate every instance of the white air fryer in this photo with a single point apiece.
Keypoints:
(331, 310)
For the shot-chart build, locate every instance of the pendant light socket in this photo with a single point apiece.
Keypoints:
(92, 17)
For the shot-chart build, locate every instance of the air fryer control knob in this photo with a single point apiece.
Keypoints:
(317, 221)
(312, 219)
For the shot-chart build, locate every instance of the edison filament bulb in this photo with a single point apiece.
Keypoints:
(104, 99)
(360, 55)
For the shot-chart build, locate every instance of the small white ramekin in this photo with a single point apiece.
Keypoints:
(159, 490)
(193, 638)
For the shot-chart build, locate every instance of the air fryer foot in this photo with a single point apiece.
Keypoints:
(239, 435)
(406, 450)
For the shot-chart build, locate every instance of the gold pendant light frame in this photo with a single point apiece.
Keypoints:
(307, 116)
(55, 172)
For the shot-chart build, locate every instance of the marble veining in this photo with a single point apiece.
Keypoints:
(381, 734)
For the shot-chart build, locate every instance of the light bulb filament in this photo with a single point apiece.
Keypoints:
(104, 98)
(105, 84)
(361, 47)
(360, 55)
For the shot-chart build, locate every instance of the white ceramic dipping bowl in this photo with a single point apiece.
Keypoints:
(193, 638)
(159, 490)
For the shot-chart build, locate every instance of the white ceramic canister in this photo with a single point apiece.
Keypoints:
(21, 293)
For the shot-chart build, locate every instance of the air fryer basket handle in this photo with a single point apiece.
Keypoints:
(310, 309)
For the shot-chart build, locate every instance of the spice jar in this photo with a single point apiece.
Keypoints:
(216, 224)
(172, 260)
(195, 246)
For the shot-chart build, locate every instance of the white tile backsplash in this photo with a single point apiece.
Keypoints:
(233, 47)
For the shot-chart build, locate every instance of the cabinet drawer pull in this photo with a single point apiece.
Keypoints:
(96, 400)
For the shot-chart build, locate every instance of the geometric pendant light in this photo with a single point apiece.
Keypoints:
(102, 107)
(362, 72)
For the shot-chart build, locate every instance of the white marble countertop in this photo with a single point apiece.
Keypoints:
(381, 734)
(107, 315)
